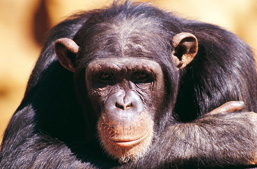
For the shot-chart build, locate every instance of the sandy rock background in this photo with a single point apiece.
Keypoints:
(24, 24)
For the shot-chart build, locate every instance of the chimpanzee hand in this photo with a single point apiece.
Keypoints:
(228, 107)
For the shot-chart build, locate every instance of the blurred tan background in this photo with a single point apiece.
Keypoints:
(24, 23)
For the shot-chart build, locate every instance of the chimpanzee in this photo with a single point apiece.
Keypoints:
(132, 86)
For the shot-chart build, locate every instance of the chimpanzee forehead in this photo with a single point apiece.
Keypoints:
(130, 37)
(124, 63)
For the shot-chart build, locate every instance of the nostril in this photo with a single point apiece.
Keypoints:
(128, 106)
(123, 107)
(119, 106)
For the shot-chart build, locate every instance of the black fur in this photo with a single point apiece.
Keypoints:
(47, 130)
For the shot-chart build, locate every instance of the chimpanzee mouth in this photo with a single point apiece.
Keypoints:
(128, 143)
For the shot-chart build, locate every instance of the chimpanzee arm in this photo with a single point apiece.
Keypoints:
(23, 147)
(220, 138)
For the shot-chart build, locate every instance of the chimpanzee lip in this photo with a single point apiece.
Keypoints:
(129, 143)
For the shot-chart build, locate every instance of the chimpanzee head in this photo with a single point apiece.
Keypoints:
(125, 61)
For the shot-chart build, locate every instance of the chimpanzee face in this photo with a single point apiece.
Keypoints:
(126, 93)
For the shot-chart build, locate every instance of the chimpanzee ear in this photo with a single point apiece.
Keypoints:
(66, 51)
(185, 47)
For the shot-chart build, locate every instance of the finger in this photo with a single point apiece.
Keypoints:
(229, 107)
(254, 162)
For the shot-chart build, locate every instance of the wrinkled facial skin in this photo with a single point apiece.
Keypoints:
(126, 93)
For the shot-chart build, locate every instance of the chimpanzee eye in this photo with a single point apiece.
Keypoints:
(105, 77)
(141, 77)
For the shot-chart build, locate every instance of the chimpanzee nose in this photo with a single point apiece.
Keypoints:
(123, 106)
(122, 101)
